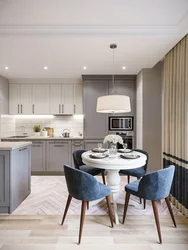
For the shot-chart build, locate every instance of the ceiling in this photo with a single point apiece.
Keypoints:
(67, 35)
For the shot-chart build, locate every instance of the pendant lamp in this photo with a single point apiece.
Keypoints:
(113, 103)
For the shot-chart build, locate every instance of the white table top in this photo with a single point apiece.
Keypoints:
(114, 163)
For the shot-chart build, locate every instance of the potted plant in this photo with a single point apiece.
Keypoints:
(36, 130)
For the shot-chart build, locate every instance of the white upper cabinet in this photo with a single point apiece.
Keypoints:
(66, 99)
(40, 99)
(20, 99)
(78, 93)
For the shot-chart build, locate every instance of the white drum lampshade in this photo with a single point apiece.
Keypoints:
(113, 104)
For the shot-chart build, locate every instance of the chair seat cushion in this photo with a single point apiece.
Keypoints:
(132, 187)
(137, 172)
(91, 170)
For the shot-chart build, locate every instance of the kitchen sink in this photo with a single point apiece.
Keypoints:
(19, 136)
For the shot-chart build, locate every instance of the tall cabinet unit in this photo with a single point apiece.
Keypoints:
(20, 96)
(95, 124)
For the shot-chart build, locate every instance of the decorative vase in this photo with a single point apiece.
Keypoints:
(36, 133)
(113, 148)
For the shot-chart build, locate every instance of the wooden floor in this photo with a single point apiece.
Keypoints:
(49, 195)
(45, 233)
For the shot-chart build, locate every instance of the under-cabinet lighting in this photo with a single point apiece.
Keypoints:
(33, 116)
(78, 116)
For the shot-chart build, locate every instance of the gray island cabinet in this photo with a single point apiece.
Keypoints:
(15, 174)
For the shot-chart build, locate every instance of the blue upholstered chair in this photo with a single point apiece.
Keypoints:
(154, 186)
(78, 163)
(137, 172)
(83, 186)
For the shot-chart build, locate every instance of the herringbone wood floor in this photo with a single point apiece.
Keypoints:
(49, 195)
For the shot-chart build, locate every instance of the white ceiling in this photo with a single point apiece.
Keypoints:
(67, 35)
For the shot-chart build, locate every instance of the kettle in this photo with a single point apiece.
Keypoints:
(66, 133)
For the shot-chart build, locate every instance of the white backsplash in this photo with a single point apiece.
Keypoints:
(59, 123)
(7, 125)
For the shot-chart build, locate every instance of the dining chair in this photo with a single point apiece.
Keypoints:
(83, 186)
(154, 186)
(78, 163)
(137, 172)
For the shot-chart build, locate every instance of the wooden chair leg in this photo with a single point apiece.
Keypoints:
(109, 209)
(144, 204)
(83, 211)
(87, 205)
(103, 178)
(170, 210)
(128, 179)
(155, 211)
(66, 208)
(126, 205)
(138, 178)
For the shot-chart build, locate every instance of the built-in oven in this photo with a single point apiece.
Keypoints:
(128, 137)
(120, 123)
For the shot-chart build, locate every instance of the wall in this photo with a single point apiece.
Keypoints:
(59, 123)
(151, 123)
(139, 111)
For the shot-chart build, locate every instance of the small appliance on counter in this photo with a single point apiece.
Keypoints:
(66, 133)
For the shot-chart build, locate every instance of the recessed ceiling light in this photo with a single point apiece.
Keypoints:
(84, 67)
(123, 67)
(45, 67)
(6, 67)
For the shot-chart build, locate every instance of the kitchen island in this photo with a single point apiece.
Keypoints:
(15, 174)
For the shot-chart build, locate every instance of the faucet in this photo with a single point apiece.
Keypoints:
(23, 127)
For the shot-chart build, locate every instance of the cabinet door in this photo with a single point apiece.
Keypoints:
(68, 98)
(41, 99)
(25, 98)
(4, 178)
(76, 145)
(95, 124)
(55, 99)
(14, 99)
(38, 156)
(78, 93)
(90, 144)
(58, 154)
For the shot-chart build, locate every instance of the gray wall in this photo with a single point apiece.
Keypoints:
(150, 136)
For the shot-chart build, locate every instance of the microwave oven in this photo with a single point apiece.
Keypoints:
(120, 123)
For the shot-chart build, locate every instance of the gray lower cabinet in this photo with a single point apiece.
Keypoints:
(38, 156)
(58, 154)
(76, 145)
(15, 173)
(90, 144)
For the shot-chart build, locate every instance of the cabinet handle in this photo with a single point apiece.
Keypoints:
(21, 108)
(18, 109)
(22, 149)
(62, 108)
(33, 108)
(59, 108)
(74, 108)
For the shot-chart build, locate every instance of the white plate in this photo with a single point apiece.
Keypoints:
(122, 150)
(99, 150)
(98, 156)
(129, 156)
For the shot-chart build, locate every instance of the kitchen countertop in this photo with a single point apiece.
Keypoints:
(43, 138)
(13, 145)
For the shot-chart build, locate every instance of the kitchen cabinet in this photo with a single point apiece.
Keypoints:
(4, 95)
(40, 99)
(90, 144)
(66, 99)
(95, 124)
(78, 100)
(20, 99)
(76, 145)
(15, 173)
(38, 156)
(58, 154)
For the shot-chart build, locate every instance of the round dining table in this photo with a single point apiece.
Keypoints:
(113, 164)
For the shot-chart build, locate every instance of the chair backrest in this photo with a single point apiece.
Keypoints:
(157, 185)
(146, 154)
(77, 158)
(81, 185)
